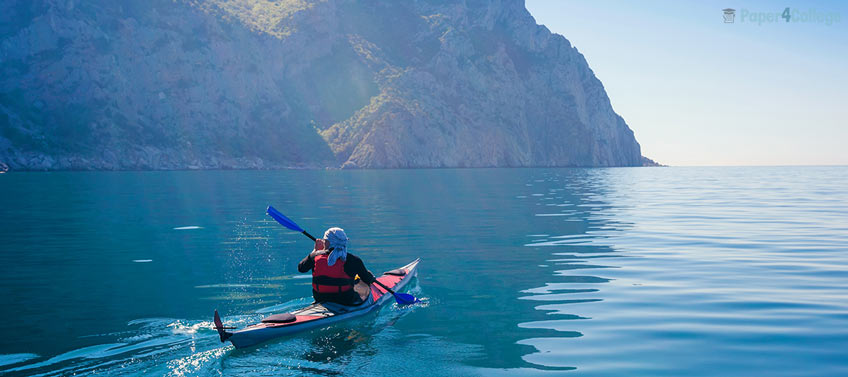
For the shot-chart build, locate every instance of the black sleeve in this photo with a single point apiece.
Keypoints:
(306, 264)
(354, 266)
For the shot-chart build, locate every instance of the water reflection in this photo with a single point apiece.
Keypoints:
(338, 344)
(574, 215)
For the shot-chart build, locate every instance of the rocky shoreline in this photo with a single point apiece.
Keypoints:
(48, 163)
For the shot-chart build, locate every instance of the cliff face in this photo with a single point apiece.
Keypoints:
(162, 84)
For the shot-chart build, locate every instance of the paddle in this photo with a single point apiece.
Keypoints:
(287, 222)
(401, 298)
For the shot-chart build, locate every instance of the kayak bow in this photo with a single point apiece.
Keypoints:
(319, 314)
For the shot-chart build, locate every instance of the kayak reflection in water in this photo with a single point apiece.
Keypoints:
(334, 271)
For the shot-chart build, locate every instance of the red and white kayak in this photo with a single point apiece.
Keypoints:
(319, 314)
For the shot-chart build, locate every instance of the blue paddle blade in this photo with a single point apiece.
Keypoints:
(405, 299)
(282, 219)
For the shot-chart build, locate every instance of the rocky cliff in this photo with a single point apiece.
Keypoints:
(162, 84)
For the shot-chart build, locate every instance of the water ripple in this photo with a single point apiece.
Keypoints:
(749, 266)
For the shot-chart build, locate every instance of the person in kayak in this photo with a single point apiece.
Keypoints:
(334, 269)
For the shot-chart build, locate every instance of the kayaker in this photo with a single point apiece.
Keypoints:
(334, 269)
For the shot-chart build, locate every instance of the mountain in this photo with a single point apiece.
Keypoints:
(175, 84)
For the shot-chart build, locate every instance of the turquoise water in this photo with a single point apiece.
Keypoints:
(632, 271)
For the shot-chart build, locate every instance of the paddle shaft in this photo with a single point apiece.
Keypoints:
(385, 287)
(305, 233)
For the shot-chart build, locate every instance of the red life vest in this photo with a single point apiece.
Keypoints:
(330, 279)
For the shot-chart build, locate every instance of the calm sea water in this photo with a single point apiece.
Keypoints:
(636, 271)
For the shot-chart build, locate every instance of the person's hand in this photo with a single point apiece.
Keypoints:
(320, 244)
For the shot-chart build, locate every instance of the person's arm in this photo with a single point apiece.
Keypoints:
(306, 264)
(309, 262)
(354, 266)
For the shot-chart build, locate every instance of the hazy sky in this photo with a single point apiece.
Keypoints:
(698, 91)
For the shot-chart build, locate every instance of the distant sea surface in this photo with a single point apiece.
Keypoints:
(725, 271)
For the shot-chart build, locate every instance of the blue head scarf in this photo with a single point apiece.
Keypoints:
(338, 242)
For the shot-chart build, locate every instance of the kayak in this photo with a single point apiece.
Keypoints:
(319, 314)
